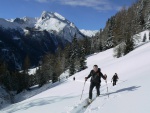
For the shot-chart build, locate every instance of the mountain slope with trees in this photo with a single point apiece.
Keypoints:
(121, 28)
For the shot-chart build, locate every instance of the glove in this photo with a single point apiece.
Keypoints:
(85, 78)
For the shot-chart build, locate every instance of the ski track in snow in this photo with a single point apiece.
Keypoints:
(79, 108)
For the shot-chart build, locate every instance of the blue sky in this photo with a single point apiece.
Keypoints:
(85, 14)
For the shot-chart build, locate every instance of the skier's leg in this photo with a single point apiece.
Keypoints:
(98, 89)
(90, 91)
(114, 83)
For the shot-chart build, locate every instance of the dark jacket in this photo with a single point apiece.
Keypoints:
(96, 76)
(115, 78)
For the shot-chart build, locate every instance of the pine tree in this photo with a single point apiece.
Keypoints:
(54, 78)
(86, 44)
(44, 73)
(41, 78)
(5, 79)
(100, 46)
(48, 68)
(67, 52)
(74, 55)
(144, 38)
(82, 58)
(129, 44)
(26, 64)
(119, 52)
(75, 47)
(2, 72)
(25, 75)
(92, 45)
(72, 67)
(149, 35)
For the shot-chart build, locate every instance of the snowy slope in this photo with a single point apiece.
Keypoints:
(138, 38)
(131, 95)
(89, 33)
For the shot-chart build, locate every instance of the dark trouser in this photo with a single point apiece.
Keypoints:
(114, 82)
(92, 85)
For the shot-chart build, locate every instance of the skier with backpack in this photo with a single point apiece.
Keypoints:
(115, 79)
(95, 75)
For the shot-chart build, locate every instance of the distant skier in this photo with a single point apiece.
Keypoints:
(74, 78)
(115, 79)
(95, 75)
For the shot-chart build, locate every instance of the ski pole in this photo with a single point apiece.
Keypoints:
(82, 90)
(107, 89)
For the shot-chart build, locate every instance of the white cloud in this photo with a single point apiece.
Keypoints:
(42, 1)
(100, 5)
(87, 3)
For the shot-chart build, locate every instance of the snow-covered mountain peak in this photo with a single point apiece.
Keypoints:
(48, 21)
(89, 33)
(47, 15)
(55, 22)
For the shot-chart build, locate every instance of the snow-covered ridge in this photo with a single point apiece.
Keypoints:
(89, 33)
(18, 23)
(59, 16)
(7, 24)
(49, 21)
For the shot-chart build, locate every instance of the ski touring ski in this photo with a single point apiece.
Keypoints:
(88, 103)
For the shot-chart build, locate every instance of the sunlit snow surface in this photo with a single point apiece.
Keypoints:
(130, 95)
